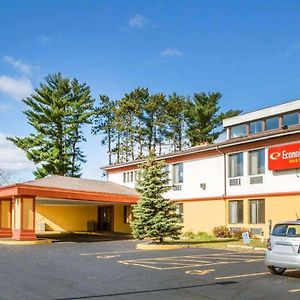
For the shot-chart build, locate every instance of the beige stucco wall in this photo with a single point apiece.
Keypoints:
(65, 218)
(203, 215)
(277, 209)
(119, 225)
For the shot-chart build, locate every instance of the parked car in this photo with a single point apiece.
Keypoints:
(283, 250)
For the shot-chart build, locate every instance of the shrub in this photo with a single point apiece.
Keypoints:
(238, 233)
(222, 232)
(204, 236)
(189, 235)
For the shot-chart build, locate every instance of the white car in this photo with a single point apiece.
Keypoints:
(283, 250)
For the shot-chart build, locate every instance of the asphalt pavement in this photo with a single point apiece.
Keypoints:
(116, 270)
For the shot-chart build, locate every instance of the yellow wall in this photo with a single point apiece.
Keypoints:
(5, 214)
(119, 225)
(65, 218)
(277, 209)
(203, 215)
(27, 214)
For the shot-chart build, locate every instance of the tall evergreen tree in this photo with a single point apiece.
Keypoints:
(203, 118)
(104, 122)
(57, 111)
(175, 119)
(154, 216)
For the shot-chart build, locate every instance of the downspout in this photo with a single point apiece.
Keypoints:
(225, 180)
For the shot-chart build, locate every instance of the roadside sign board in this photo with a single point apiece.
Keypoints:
(246, 237)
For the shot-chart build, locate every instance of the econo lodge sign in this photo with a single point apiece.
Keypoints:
(284, 157)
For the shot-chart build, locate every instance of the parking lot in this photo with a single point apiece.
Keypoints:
(116, 270)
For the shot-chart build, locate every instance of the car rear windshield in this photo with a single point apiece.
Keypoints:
(287, 230)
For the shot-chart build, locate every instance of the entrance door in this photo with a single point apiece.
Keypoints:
(105, 218)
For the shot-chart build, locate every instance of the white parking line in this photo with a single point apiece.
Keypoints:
(242, 275)
(294, 291)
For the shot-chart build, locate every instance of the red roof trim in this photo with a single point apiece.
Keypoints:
(37, 191)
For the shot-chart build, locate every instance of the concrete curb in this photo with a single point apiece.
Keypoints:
(161, 247)
(22, 243)
(256, 249)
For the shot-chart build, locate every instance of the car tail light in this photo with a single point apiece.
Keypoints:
(269, 246)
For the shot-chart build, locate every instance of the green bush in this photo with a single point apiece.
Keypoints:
(238, 234)
(222, 232)
(204, 236)
(189, 235)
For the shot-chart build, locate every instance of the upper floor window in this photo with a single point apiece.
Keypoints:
(272, 123)
(178, 173)
(236, 164)
(255, 127)
(257, 162)
(131, 176)
(237, 131)
(290, 119)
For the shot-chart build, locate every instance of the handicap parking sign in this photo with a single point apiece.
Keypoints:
(246, 237)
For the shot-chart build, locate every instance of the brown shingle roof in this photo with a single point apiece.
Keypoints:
(80, 184)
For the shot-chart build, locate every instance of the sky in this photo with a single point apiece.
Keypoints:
(247, 50)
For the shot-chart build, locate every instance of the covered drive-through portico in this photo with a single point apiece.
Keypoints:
(61, 203)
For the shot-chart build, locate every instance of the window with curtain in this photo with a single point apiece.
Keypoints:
(178, 173)
(236, 214)
(257, 211)
(257, 162)
(236, 165)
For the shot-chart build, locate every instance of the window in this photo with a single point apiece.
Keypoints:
(127, 214)
(257, 162)
(237, 131)
(290, 119)
(236, 214)
(257, 211)
(255, 127)
(179, 210)
(236, 164)
(272, 123)
(178, 173)
(130, 176)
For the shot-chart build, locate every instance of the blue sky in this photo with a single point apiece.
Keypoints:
(247, 50)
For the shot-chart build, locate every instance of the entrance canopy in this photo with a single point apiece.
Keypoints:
(18, 201)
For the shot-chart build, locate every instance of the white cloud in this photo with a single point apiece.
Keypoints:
(171, 52)
(17, 88)
(13, 158)
(18, 64)
(138, 21)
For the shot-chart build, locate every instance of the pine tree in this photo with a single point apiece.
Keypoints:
(203, 119)
(154, 216)
(57, 111)
(104, 122)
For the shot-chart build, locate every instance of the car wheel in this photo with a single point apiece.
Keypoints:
(276, 270)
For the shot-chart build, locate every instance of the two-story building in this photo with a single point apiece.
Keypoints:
(250, 180)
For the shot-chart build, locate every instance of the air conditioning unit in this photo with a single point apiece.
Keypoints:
(256, 179)
(177, 187)
(235, 181)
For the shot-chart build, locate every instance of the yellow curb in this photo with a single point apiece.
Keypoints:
(15, 243)
(160, 247)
